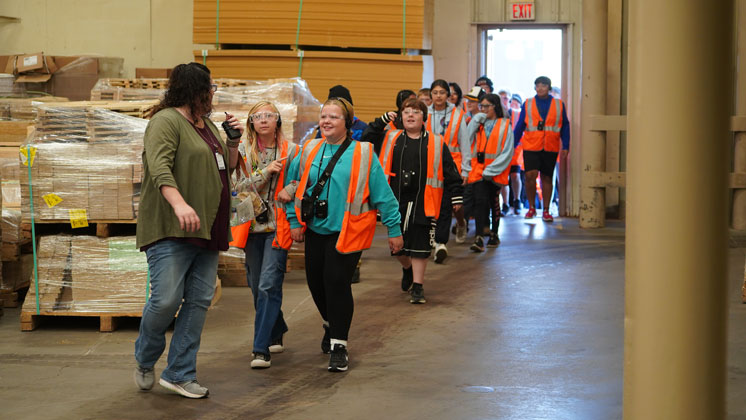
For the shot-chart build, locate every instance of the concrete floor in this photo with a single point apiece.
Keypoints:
(531, 330)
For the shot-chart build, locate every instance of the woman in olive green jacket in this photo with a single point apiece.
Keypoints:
(183, 223)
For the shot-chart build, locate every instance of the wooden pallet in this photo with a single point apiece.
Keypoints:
(108, 321)
(103, 228)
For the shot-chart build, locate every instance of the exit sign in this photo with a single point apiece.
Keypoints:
(524, 10)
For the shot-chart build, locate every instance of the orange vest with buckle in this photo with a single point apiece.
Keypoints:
(434, 182)
(359, 223)
(451, 134)
(282, 233)
(491, 147)
(518, 152)
(535, 140)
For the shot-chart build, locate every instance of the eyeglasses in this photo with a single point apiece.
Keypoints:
(330, 117)
(214, 88)
(485, 106)
(411, 112)
(261, 116)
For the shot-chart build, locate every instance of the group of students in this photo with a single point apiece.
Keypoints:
(414, 168)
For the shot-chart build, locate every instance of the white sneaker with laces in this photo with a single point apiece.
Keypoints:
(441, 253)
(461, 234)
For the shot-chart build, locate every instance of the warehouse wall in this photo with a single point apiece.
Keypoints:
(158, 33)
(456, 52)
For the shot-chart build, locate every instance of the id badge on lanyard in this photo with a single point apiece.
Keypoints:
(221, 161)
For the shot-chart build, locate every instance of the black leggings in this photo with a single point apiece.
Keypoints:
(329, 278)
(485, 193)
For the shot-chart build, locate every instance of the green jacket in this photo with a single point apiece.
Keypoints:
(175, 155)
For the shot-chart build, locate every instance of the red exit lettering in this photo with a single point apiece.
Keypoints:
(523, 11)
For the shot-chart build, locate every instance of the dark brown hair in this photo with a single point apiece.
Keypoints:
(416, 104)
(190, 85)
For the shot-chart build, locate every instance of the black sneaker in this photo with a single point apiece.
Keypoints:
(417, 294)
(478, 245)
(261, 361)
(276, 346)
(338, 359)
(494, 241)
(505, 210)
(406, 279)
(326, 345)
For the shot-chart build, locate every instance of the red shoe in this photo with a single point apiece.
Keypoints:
(547, 217)
(531, 213)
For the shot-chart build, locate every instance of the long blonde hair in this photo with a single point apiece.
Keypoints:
(252, 144)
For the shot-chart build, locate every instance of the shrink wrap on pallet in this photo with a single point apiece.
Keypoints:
(85, 164)
(89, 274)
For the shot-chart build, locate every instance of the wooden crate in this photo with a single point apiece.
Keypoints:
(346, 24)
(373, 79)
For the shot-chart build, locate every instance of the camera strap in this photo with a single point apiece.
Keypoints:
(324, 178)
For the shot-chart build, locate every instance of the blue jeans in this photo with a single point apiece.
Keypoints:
(178, 271)
(265, 272)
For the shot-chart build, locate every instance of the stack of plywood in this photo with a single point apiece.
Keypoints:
(86, 158)
(373, 79)
(390, 24)
(53, 272)
(16, 119)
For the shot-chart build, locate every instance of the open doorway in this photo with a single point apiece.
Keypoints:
(513, 59)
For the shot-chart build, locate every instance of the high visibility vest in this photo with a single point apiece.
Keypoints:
(359, 223)
(518, 152)
(390, 126)
(434, 182)
(491, 147)
(548, 139)
(451, 135)
(282, 239)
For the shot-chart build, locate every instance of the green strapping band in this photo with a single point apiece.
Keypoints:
(217, 25)
(300, 63)
(204, 57)
(404, 28)
(33, 227)
(297, 28)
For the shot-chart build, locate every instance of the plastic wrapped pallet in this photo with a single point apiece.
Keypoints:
(86, 159)
(231, 268)
(89, 274)
(298, 107)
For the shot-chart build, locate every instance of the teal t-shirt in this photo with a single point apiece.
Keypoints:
(335, 191)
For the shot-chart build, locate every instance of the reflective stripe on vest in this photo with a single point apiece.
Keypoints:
(451, 135)
(549, 138)
(492, 147)
(434, 181)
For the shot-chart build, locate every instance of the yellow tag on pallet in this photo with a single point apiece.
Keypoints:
(78, 218)
(51, 199)
(24, 155)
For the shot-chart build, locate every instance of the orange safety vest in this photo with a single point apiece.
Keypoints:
(282, 239)
(390, 126)
(451, 135)
(434, 182)
(491, 147)
(359, 223)
(518, 152)
(548, 139)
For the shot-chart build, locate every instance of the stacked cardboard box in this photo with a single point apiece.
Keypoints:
(373, 79)
(298, 107)
(346, 24)
(88, 157)
(231, 269)
(89, 274)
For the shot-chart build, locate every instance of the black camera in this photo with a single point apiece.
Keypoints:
(321, 209)
(407, 180)
(262, 217)
(480, 157)
(306, 209)
(540, 126)
(231, 132)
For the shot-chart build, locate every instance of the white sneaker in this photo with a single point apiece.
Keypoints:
(441, 253)
(460, 234)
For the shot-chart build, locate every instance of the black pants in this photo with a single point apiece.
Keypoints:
(485, 193)
(443, 225)
(468, 202)
(329, 278)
